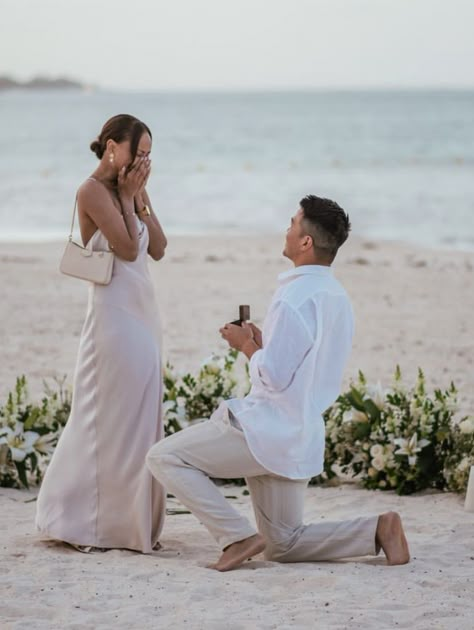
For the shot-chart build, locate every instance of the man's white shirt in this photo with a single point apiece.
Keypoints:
(296, 376)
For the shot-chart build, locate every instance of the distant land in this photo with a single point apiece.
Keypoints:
(42, 83)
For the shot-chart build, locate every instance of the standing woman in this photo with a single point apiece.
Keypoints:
(97, 491)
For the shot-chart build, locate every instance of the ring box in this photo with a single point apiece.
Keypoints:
(244, 315)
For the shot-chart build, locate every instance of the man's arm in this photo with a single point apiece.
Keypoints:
(289, 341)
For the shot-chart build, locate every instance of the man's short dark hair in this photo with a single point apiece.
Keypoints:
(327, 224)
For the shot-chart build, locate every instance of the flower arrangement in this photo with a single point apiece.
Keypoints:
(461, 458)
(29, 432)
(398, 439)
(188, 398)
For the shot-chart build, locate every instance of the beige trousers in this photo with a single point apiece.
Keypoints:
(184, 463)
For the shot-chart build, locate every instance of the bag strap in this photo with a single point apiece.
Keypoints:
(73, 219)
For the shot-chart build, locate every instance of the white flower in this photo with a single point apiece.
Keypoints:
(415, 410)
(410, 447)
(448, 404)
(464, 464)
(451, 404)
(45, 444)
(168, 406)
(20, 444)
(377, 394)
(467, 425)
(376, 450)
(354, 416)
(168, 373)
(378, 462)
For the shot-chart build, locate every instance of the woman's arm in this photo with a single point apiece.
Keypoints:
(158, 242)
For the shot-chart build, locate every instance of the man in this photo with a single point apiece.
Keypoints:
(274, 437)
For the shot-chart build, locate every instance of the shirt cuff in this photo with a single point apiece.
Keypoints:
(253, 368)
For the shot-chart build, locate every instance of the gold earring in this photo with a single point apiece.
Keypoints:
(111, 158)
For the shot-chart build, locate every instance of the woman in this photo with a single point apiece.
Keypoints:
(97, 492)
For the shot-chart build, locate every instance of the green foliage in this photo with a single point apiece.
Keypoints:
(399, 439)
(188, 398)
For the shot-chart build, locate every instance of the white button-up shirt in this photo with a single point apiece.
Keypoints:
(296, 376)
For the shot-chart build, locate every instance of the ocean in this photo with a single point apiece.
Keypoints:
(400, 163)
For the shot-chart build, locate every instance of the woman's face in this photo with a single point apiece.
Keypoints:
(118, 153)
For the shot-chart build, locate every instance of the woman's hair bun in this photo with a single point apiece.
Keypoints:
(97, 149)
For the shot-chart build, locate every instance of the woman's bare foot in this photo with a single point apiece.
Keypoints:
(391, 537)
(237, 553)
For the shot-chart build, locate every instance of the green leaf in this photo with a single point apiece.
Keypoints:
(21, 469)
(355, 398)
(372, 410)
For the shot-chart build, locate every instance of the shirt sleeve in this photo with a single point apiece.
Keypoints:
(289, 341)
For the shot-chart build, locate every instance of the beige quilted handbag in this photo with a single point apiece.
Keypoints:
(84, 263)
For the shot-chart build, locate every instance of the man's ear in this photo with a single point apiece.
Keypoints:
(307, 243)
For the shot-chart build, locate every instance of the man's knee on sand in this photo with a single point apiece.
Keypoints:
(277, 547)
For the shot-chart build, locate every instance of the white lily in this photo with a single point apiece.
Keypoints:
(168, 405)
(410, 447)
(20, 444)
(45, 444)
(377, 394)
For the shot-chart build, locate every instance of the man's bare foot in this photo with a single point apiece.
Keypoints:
(391, 537)
(237, 553)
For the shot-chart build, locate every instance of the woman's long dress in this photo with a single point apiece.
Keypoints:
(97, 490)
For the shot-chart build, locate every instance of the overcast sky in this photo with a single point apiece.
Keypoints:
(241, 44)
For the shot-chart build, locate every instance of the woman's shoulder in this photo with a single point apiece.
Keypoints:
(91, 188)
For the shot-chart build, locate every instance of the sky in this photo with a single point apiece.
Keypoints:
(241, 44)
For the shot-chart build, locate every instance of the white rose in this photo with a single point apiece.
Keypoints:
(378, 462)
(467, 425)
(377, 449)
(464, 464)
(354, 416)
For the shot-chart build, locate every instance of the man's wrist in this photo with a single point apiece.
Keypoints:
(249, 347)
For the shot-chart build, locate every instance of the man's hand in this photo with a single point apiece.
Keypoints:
(257, 334)
(240, 338)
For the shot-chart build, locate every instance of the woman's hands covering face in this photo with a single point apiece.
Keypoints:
(133, 179)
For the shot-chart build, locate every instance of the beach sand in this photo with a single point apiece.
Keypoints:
(413, 307)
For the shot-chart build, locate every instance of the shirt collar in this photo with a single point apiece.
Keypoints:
(305, 270)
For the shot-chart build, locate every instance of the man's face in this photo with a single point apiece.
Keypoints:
(294, 236)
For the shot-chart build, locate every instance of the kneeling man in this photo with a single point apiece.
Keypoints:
(274, 437)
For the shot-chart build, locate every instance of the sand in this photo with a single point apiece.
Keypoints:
(413, 307)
